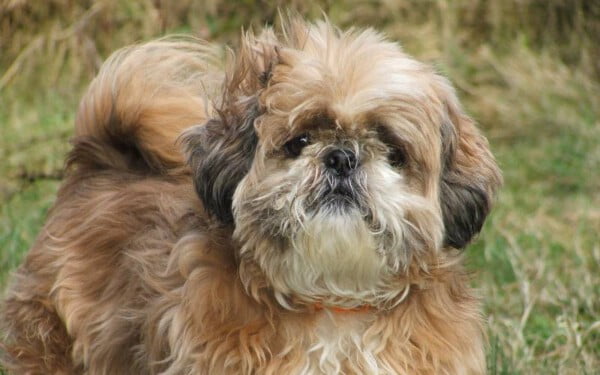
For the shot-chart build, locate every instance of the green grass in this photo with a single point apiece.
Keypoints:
(527, 70)
(21, 218)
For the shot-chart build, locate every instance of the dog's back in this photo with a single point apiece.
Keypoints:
(126, 192)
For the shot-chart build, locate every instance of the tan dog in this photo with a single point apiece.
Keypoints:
(337, 178)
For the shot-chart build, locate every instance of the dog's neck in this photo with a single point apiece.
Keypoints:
(257, 286)
(338, 309)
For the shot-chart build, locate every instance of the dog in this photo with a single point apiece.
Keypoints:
(299, 206)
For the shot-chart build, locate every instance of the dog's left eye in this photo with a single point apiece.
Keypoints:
(294, 147)
(397, 157)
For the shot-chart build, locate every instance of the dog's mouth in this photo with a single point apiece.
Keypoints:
(341, 192)
(338, 196)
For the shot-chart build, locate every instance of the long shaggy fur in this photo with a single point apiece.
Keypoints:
(213, 250)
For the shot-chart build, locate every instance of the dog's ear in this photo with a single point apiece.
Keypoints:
(221, 151)
(470, 176)
(220, 155)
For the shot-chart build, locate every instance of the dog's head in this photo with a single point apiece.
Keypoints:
(340, 162)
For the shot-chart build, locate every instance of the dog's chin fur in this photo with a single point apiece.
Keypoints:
(189, 237)
(310, 266)
(347, 251)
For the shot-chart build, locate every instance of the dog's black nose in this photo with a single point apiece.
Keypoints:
(341, 161)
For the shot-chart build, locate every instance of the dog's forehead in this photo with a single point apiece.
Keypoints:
(348, 82)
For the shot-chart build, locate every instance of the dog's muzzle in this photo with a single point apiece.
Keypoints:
(340, 190)
(341, 162)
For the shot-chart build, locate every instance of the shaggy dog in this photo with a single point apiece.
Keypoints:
(299, 208)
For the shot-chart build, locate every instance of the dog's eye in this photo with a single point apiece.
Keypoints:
(294, 147)
(397, 157)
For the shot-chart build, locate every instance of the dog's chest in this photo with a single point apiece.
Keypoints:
(341, 344)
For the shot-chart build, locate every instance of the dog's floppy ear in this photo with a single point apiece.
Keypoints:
(220, 152)
(470, 176)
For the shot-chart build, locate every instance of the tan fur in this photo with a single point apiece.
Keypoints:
(133, 273)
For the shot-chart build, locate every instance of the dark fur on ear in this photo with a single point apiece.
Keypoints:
(470, 177)
(220, 156)
(220, 152)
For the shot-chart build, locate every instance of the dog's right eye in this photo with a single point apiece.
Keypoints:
(294, 147)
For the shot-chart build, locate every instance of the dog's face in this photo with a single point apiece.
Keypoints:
(341, 163)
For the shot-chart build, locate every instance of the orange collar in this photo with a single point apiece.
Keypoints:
(364, 308)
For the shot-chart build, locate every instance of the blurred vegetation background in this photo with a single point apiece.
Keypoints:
(527, 70)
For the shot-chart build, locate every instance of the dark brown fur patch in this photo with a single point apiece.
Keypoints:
(469, 180)
(220, 154)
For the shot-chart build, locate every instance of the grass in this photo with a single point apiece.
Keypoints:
(527, 70)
